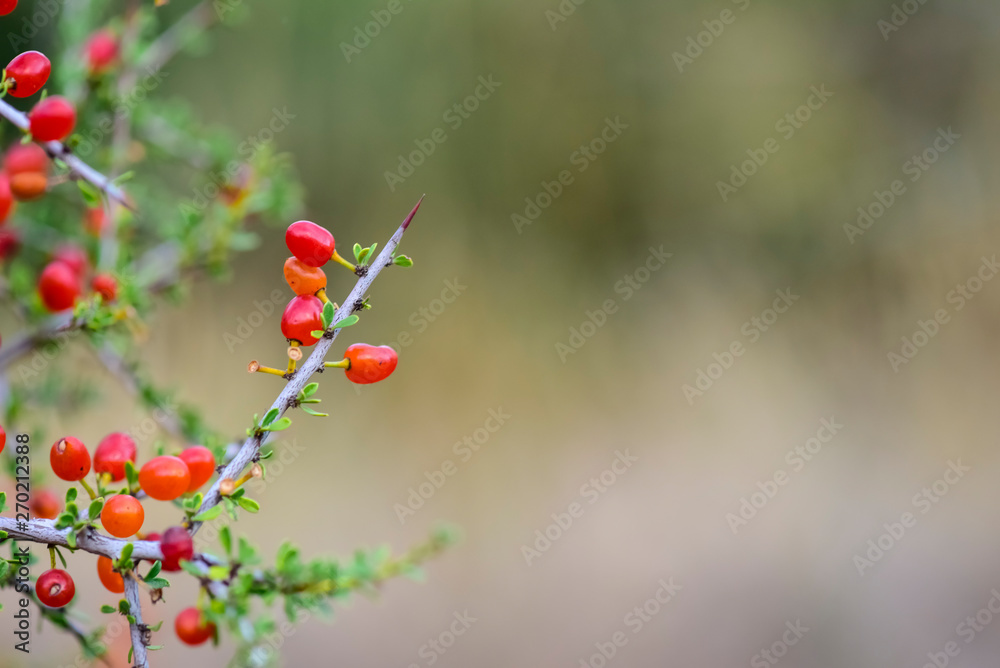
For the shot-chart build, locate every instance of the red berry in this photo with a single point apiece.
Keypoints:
(101, 50)
(44, 505)
(191, 628)
(26, 158)
(176, 546)
(7, 6)
(164, 478)
(59, 286)
(302, 316)
(6, 197)
(10, 242)
(93, 220)
(106, 286)
(122, 516)
(155, 537)
(111, 580)
(27, 73)
(309, 242)
(74, 257)
(69, 459)
(201, 462)
(55, 588)
(3, 438)
(112, 453)
(370, 364)
(52, 119)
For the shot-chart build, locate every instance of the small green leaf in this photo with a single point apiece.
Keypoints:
(208, 515)
(402, 261)
(61, 558)
(357, 253)
(91, 195)
(328, 313)
(154, 571)
(107, 609)
(71, 495)
(131, 475)
(218, 573)
(126, 554)
(4, 568)
(71, 539)
(158, 583)
(95, 509)
(248, 505)
(279, 425)
(317, 333)
(123, 607)
(347, 322)
(312, 412)
(269, 417)
(226, 539)
(310, 389)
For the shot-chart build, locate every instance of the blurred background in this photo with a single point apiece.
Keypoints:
(672, 399)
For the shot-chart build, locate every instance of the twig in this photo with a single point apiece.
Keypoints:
(88, 540)
(251, 447)
(62, 152)
(26, 343)
(138, 630)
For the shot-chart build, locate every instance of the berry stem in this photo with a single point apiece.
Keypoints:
(90, 490)
(342, 364)
(294, 355)
(255, 367)
(52, 556)
(322, 296)
(339, 260)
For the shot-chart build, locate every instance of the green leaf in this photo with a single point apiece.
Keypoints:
(61, 558)
(209, 514)
(280, 425)
(71, 539)
(226, 539)
(317, 333)
(357, 253)
(107, 609)
(218, 573)
(247, 554)
(71, 495)
(65, 520)
(310, 389)
(4, 568)
(402, 261)
(95, 509)
(91, 195)
(131, 475)
(123, 607)
(347, 322)
(158, 583)
(154, 571)
(363, 255)
(248, 505)
(126, 553)
(312, 412)
(269, 417)
(328, 313)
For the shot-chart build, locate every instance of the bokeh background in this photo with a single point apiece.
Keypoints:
(523, 290)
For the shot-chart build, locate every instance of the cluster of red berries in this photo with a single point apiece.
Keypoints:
(53, 117)
(312, 246)
(163, 478)
(62, 280)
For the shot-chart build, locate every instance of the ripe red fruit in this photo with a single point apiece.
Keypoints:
(176, 546)
(74, 257)
(112, 453)
(303, 279)
(7, 6)
(6, 197)
(191, 628)
(44, 505)
(309, 242)
(27, 73)
(3, 438)
(10, 242)
(122, 516)
(303, 315)
(111, 580)
(26, 158)
(370, 364)
(106, 286)
(52, 119)
(164, 478)
(69, 459)
(55, 588)
(201, 463)
(101, 50)
(59, 286)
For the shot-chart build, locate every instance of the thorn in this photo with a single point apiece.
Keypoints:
(406, 223)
